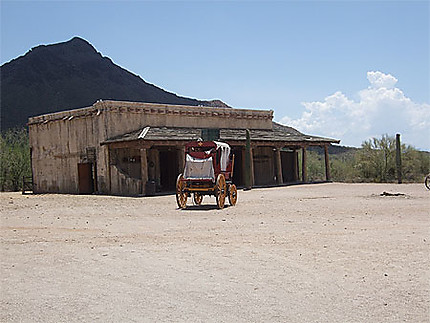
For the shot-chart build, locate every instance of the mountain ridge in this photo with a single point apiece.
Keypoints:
(69, 75)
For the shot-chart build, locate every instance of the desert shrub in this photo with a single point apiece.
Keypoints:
(315, 166)
(14, 159)
(376, 161)
(343, 168)
(415, 164)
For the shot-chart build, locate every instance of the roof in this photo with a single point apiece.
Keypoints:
(279, 133)
(152, 108)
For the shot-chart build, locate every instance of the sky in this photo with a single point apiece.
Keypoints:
(349, 70)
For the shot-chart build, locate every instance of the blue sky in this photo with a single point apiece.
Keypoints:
(298, 58)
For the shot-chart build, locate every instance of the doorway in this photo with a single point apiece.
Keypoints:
(264, 168)
(168, 169)
(238, 169)
(289, 166)
(85, 178)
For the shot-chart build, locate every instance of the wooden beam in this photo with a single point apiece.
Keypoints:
(279, 178)
(296, 165)
(398, 159)
(248, 170)
(252, 167)
(143, 169)
(304, 171)
(181, 161)
(140, 143)
(108, 169)
(327, 163)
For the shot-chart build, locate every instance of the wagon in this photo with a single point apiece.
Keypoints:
(208, 171)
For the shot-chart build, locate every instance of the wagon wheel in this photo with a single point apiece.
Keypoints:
(427, 181)
(220, 191)
(198, 198)
(181, 195)
(232, 194)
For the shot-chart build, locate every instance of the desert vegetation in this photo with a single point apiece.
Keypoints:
(14, 159)
(374, 162)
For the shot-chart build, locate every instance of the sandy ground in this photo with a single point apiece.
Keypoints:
(306, 253)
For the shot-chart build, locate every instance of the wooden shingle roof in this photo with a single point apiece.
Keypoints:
(278, 134)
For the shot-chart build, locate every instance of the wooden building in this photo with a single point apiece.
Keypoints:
(131, 148)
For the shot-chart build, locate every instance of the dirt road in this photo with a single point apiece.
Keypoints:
(306, 253)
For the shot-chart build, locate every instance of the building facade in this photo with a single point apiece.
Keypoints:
(133, 148)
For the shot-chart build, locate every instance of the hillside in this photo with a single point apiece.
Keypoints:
(68, 75)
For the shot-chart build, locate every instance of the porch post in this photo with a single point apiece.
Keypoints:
(181, 156)
(143, 169)
(108, 168)
(279, 178)
(398, 159)
(157, 167)
(304, 171)
(252, 167)
(248, 169)
(296, 165)
(327, 163)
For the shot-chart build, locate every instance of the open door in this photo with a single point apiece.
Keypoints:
(168, 169)
(289, 165)
(85, 178)
(238, 168)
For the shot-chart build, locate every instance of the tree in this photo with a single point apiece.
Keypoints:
(14, 159)
(376, 161)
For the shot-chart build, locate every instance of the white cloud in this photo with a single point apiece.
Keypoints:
(378, 79)
(381, 108)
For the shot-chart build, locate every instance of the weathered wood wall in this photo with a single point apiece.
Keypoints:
(60, 141)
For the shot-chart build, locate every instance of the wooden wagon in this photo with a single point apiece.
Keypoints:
(208, 171)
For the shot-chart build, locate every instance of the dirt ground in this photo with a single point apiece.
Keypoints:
(306, 253)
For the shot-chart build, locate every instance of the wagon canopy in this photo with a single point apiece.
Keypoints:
(203, 168)
(196, 168)
(225, 154)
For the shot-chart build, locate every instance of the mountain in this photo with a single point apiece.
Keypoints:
(69, 75)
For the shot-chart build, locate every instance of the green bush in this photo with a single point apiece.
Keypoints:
(315, 166)
(14, 159)
(343, 168)
(375, 161)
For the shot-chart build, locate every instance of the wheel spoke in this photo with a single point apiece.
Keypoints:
(232, 194)
(181, 195)
(220, 191)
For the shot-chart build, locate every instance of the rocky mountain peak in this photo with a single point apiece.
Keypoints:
(69, 75)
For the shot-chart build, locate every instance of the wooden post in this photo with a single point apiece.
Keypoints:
(157, 167)
(279, 178)
(243, 166)
(252, 167)
(181, 157)
(248, 162)
(143, 169)
(108, 168)
(398, 159)
(296, 165)
(304, 171)
(151, 164)
(327, 163)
